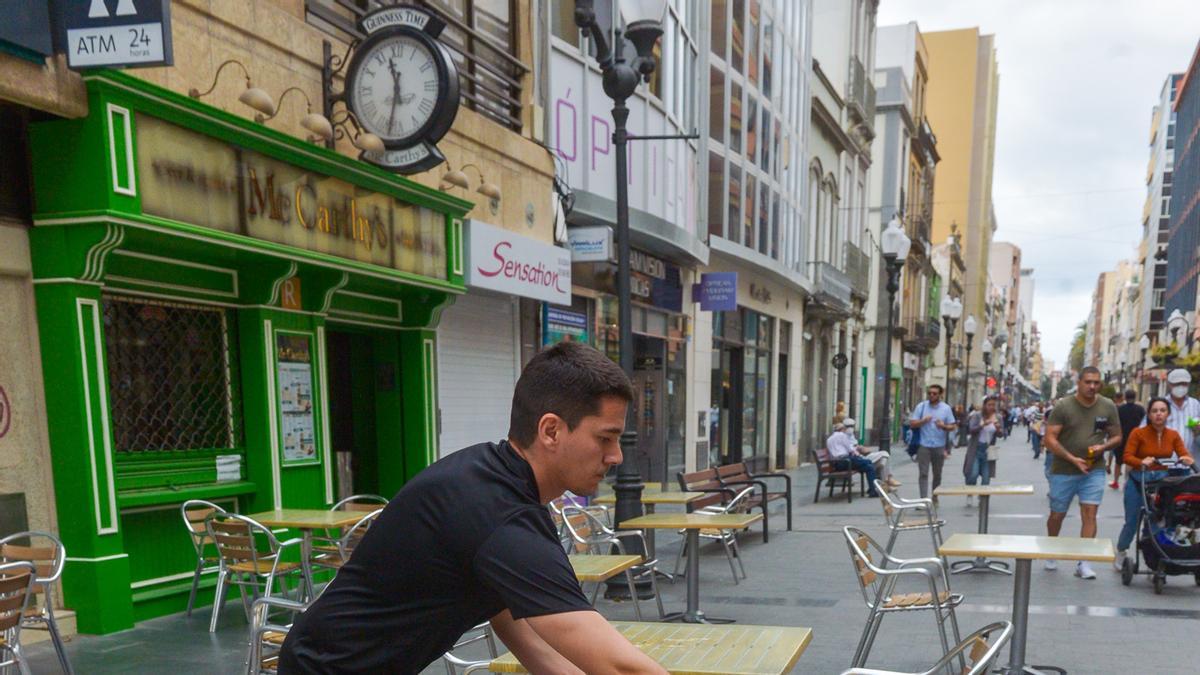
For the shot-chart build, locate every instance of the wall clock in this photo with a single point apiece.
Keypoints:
(402, 85)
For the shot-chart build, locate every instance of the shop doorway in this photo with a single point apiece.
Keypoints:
(355, 375)
(727, 397)
(649, 401)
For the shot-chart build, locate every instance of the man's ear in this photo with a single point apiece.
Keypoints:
(550, 429)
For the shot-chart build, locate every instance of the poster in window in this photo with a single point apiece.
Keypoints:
(297, 423)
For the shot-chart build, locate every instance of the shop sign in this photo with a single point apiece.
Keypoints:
(116, 33)
(655, 281)
(192, 178)
(504, 261)
(716, 292)
(563, 325)
(591, 244)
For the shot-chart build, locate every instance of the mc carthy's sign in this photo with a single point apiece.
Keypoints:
(195, 179)
(504, 261)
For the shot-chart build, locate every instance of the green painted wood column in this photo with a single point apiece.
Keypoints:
(96, 578)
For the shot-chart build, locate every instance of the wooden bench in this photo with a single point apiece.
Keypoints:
(704, 481)
(827, 474)
(738, 476)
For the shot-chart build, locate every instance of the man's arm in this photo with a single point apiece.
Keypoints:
(530, 649)
(588, 641)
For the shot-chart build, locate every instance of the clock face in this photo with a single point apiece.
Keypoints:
(395, 89)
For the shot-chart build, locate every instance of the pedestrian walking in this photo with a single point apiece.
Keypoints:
(1131, 415)
(469, 540)
(1080, 429)
(1147, 445)
(934, 419)
(1036, 418)
(982, 427)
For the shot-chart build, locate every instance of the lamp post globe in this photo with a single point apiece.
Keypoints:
(643, 26)
(894, 245)
(986, 348)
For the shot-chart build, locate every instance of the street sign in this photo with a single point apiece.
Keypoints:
(115, 33)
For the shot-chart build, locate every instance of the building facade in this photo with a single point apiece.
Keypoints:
(962, 98)
(902, 186)
(1156, 213)
(1183, 200)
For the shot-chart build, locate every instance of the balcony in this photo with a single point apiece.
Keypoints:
(832, 290)
(858, 270)
(921, 334)
(860, 95)
(920, 229)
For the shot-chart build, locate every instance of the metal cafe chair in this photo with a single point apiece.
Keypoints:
(48, 559)
(17, 580)
(480, 633)
(337, 553)
(556, 514)
(267, 634)
(878, 586)
(982, 656)
(593, 536)
(194, 511)
(895, 509)
(249, 557)
(363, 502)
(728, 538)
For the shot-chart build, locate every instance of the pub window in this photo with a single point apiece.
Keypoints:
(170, 382)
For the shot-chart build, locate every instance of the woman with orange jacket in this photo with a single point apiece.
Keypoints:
(1145, 447)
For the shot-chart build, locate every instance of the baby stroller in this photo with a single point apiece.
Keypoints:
(1168, 529)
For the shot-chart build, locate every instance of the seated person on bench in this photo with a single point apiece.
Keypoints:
(845, 454)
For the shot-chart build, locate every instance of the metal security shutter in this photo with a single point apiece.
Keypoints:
(477, 369)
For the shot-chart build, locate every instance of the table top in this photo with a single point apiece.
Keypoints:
(307, 519)
(1027, 547)
(692, 521)
(601, 567)
(993, 489)
(655, 497)
(705, 649)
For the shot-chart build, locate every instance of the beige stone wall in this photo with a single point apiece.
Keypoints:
(24, 446)
(280, 49)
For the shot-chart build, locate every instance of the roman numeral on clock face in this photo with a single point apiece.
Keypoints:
(426, 106)
(431, 85)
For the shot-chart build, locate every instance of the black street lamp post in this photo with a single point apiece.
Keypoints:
(643, 27)
(987, 364)
(895, 245)
(969, 331)
(951, 311)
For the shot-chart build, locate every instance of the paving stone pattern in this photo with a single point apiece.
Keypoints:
(804, 578)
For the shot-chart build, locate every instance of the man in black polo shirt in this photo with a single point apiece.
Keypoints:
(469, 540)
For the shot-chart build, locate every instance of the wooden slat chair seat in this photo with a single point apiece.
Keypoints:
(877, 582)
(48, 556)
(16, 593)
(267, 632)
(834, 477)
(728, 538)
(738, 476)
(338, 554)
(597, 537)
(250, 558)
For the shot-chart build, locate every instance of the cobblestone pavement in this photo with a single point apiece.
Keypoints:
(804, 578)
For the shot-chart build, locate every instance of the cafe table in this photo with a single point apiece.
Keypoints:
(1025, 549)
(307, 520)
(985, 493)
(692, 523)
(596, 568)
(653, 495)
(705, 649)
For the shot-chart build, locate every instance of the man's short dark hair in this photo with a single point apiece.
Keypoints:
(1088, 370)
(1130, 395)
(940, 388)
(569, 379)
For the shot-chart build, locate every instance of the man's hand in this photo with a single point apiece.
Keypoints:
(587, 640)
(1079, 463)
(1187, 461)
(1147, 461)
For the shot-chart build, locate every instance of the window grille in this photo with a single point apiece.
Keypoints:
(169, 376)
(480, 35)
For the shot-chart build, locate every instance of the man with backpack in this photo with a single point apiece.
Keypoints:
(933, 418)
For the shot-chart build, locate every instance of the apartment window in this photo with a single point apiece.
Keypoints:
(716, 195)
(720, 26)
(739, 35)
(751, 127)
(764, 159)
(1166, 206)
(735, 117)
(749, 214)
(764, 218)
(716, 105)
(752, 44)
(768, 46)
(562, 22)
(734, 205)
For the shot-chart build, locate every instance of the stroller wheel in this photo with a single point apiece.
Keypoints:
(1159, 582)
(1197, 575)
(1127, 572)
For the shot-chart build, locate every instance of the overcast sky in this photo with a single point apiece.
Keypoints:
(1078, 79)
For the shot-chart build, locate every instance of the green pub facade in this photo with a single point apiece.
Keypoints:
(226, 313)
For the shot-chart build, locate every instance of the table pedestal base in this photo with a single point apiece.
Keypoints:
(1020, 620)
(979, 565)
(694, 617)
(693, 613)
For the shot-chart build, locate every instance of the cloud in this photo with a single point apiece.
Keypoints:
(1078, 80)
